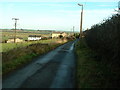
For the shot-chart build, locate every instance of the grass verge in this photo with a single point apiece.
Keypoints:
(18, 57)
(92, 72)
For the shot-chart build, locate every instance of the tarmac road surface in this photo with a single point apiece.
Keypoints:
(55, 69)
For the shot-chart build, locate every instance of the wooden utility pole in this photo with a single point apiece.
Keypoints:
(73, 29)
(15, 28)
(81, 21)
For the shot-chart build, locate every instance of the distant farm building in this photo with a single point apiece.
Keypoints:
(34, 37)
(11, 40)
(57, 34)
(64, 34)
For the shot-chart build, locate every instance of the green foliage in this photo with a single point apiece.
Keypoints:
(104, 39)
(76, 35)
(89, 72)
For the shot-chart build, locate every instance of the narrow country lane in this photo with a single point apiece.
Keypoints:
(56, 69)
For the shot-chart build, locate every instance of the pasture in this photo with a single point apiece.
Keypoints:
(8, 46)
(6, 34)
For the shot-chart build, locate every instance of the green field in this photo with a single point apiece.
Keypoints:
(8, 46)
(6, 34)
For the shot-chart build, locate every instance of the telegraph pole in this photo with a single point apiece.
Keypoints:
(73, 29)
(81, 20)
(15, 28)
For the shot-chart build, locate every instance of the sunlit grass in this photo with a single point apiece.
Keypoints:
(8, 46)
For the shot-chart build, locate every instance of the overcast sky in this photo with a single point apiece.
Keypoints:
(54, 14)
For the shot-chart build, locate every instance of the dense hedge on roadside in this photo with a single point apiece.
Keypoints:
(104, 38)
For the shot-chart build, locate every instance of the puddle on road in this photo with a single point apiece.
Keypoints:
(67, 49)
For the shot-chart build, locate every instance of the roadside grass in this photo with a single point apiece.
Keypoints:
(18, 57)
(0, 65)
(14, 64)
(91, 71)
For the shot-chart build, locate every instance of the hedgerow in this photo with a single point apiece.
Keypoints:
(104, 38)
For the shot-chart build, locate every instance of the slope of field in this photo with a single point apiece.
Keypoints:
(8, 46)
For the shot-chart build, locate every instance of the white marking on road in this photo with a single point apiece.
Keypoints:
(71, 48)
